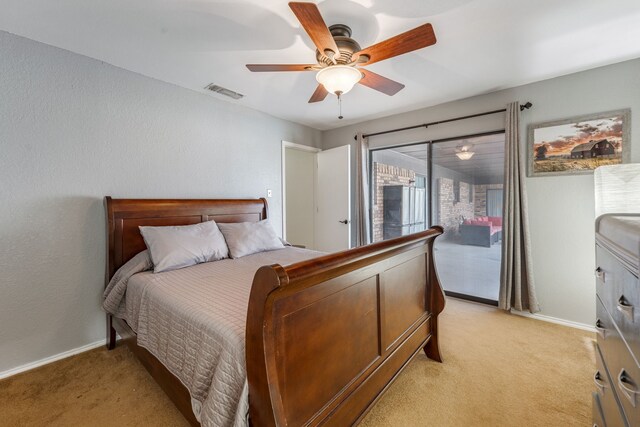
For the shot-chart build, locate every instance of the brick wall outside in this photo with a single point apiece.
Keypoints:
(449, 212)
(480, 198)
(385, 175)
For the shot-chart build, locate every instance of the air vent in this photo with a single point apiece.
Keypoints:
(224, 91)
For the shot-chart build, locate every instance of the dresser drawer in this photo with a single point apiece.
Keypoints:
(607, 400)
(624, 373)
(606, 274)
(597, 415)
(628, 389)
(626, 310)
(619, 291)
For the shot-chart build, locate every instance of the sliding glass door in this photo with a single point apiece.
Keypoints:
(455, 183)
(466, 190)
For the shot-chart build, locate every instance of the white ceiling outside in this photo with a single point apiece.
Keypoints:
(483, 45)
(486, 165)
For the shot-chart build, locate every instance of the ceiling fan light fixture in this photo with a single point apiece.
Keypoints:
(464, 152)
(338, 78)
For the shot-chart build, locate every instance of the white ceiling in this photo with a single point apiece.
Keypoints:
(483, 45)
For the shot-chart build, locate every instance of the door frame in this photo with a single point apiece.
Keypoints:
(283, 181)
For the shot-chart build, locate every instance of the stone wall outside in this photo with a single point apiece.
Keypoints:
(449, 212)
(480, 197)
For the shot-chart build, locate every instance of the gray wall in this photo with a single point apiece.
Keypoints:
(72, 130)
(561, 209)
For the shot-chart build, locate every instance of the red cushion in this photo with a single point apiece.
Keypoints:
(478, 222)
(496, 220)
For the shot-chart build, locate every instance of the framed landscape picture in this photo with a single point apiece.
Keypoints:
(580, 144)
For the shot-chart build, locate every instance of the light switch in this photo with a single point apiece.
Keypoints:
(269, 193)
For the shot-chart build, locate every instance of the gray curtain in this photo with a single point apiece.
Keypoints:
(362, 191)
(517, 289)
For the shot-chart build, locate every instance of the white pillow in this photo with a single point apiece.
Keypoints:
(174, 247)
(246, 238)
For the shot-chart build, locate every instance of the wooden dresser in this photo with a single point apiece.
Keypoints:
(616, 401)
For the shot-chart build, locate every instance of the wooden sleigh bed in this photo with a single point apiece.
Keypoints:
(324, 337)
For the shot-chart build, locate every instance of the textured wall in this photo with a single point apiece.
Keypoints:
(72, 130)
(561, 208)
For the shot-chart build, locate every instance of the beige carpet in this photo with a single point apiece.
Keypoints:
(499, 370)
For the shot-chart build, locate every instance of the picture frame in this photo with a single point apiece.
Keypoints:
(578, 145)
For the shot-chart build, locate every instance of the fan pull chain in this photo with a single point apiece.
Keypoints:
(339, 104)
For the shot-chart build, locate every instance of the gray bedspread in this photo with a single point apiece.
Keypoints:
(193, 321)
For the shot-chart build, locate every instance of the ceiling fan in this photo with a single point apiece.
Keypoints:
(339, 57)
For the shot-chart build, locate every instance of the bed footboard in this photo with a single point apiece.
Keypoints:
(325, 337)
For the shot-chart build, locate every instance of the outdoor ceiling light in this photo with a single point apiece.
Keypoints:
(464, 152)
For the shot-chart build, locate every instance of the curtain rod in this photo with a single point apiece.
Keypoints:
(525, 106)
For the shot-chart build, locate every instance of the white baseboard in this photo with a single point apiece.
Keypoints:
(555, 320)
(50, 359)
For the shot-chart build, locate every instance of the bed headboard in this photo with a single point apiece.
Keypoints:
(125, 215)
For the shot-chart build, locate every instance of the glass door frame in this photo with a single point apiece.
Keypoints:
(429, 186)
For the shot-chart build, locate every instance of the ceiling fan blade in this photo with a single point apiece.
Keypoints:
(415, 39)
(319, 95)
(280, 67)
(311, 20)
(380, 83)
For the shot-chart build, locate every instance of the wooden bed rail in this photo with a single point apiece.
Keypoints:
(325, 337)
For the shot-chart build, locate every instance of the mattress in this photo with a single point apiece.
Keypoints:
(621, 235)
(193, 321)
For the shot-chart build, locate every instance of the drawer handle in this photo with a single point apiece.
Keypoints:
(601, 330)
(599, 383)
(623, 383)
(624, 307)
(600, 274)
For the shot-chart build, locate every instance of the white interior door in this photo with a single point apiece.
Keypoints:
(333, 198)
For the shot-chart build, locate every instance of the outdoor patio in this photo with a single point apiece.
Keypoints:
(469, 270)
